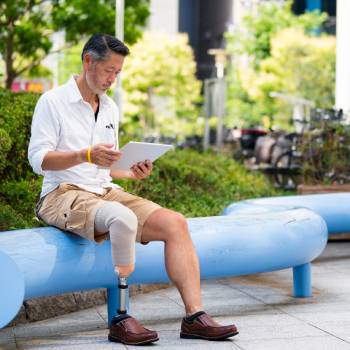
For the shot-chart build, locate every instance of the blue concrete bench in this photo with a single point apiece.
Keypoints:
(44, 261)
(334, 208)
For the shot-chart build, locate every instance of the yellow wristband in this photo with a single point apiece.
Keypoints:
(89, 155)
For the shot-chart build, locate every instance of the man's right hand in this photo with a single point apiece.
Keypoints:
(104, 155)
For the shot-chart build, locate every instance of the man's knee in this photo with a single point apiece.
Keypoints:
(114, 214)
(175, 225)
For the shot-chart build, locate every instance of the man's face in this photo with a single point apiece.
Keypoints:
(101, 75)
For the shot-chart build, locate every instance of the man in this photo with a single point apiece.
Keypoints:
(73, 143)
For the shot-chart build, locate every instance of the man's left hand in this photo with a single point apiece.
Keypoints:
(142, 170)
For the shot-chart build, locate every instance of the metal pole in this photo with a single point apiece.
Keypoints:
(342, 98)
(119, 33)
(221, 112)
(206, 113)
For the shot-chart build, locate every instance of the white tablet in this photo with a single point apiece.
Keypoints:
(134, 152)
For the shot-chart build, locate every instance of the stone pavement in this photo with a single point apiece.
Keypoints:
(260, 305)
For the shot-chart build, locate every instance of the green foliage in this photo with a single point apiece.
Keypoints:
(23, 193)
(69, 62)
(258, 30)
(198, 184)
(326, 155)
(5, 146)
(26, 27)
(299, 65)
(284, 56)
(10, 219)
(24, 30)
(160, 84)
(85, 17)
(187, 181)
(16, 112)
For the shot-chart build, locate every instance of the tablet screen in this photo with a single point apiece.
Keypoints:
(134, 152)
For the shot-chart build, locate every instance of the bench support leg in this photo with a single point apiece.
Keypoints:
(302, 281)
(113, 302)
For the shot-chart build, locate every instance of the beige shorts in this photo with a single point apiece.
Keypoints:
(73, 209)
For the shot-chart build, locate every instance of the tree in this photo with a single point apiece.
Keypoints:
(254, 38)
(299, 65)
(161, 90)
(250, 80)
(27, 25)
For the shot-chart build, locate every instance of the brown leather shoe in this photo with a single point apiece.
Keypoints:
(202, 326)
(127, 330)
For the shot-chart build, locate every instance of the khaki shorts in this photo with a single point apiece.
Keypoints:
(73, 209)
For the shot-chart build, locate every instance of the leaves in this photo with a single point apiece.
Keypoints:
(199, 184)
(160, 84)
(26, 27)
(279, 51)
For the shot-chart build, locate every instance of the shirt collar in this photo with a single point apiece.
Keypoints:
(75, 95)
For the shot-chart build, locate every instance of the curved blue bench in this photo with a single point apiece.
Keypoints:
(44, 261)
(334, 208)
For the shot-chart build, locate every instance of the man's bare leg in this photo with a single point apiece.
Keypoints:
(180, 257)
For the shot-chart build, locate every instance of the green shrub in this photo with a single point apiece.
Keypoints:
(326, 154)
(189, 182)
(5, 146)
(192, 183)
(198, 184)
(20, 196)
(10, 219)
(16, 111)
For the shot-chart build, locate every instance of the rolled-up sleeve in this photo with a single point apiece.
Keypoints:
(44, 133)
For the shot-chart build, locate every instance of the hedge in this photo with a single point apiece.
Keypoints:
(192, 183)
(195, 184)
(16, 110)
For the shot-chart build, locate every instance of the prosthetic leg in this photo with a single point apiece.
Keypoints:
(123, 290)
(126, 329)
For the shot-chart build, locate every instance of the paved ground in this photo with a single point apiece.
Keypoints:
(260, 305)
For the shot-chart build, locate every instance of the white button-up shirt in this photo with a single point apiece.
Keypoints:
(62, 122)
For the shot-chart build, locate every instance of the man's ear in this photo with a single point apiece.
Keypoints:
(87, 61)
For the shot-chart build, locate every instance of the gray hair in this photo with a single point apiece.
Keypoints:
(99, 47)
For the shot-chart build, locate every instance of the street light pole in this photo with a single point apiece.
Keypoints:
(342, 89)
(119, 33)
(220, 59)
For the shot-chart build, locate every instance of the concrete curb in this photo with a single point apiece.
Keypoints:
(47, 307)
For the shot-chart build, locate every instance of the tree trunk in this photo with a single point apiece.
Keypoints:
(10, 72)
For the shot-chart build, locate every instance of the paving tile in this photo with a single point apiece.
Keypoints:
(74, 322)
(230, 310)
(157, 314)
(256, 327)
(78, 341)
(6, 333)
(192, 346)
(315, 307)
(7, 344)
(171, 339)
(7, 339)
(335, 323)
(345, 337)
(306, 343)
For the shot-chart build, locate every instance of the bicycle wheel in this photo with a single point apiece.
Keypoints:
(287, 170)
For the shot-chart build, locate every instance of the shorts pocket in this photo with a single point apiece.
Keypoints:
(76, 220)
(71, 213)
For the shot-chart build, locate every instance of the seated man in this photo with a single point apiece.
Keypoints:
(73, 143)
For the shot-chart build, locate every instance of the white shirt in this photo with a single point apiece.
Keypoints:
(63, 121)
